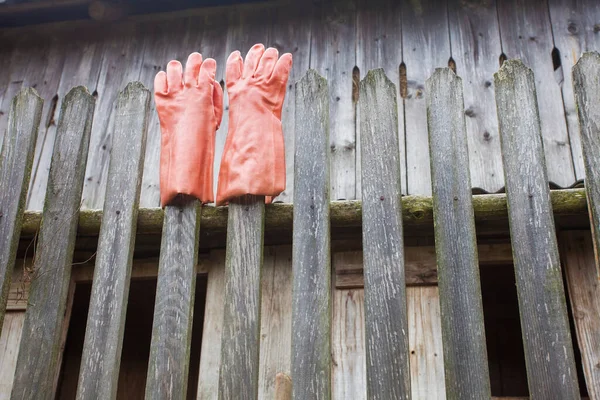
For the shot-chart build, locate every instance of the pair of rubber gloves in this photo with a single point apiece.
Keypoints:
(190, 108)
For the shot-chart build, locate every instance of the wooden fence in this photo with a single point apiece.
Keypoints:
(549, 355)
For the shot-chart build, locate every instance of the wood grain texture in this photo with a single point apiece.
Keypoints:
(276, 319)
(426, 46)
(575, 29)
(283, 387)
(586, 81)
(16, 159)
(333, 55)
(38, 360)
(577, 254)
(425, 338)
(348, 370)
(290, 32)
(546, 336)
(9, 348)
(240, 339)
(311, 256)
(379, 33)
(210, 359)
(386, 327)
(476, 46)
(80, 66)
(463, 331)
(168, 366)
(526, 35)
(420, 265)
(99, 372)
(121, 62)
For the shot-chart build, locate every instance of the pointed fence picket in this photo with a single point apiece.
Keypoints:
(234, 342)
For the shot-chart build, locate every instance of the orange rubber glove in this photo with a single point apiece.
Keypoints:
(254, 156)
(189, 108)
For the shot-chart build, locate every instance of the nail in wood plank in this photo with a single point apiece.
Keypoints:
(16, 160)
(388, 373)
(547, 342)
(37, 363)
(240, 339)
(168, 366)
(283, 387)
(311, 257)
(463, 331)
(99, 372)
(586, 83)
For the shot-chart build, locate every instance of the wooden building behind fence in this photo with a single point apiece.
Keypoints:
(438, 236)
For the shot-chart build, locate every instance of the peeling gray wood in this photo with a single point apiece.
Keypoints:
(39, 353)
(526, 35)
(476, 47)
(290, 32)
(426, 46)
(311, 254)
(463, 331)
(99, 372)
(586, 82)
(333, 55)
(584, 293)
(547, 342)
(379, 34)
(168, 366)
(240, 340)
(386, 326)
(575, 29)
(16, 159)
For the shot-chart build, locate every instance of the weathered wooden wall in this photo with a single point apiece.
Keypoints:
(409, 41)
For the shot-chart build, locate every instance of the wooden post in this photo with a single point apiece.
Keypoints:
(311, 258)
(99, 372)
(586, 83)
(37, 363)
(547, 342)
(463, 331)
(386, 326)
(16, 159)
(240, 340)
(168, 366)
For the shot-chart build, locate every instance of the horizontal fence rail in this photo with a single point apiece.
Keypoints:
(383, 216)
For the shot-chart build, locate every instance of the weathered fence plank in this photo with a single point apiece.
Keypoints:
(37, 362)
(426, 45)
(210, 360)
(463, 331)
(584, 292)
(386, 326)
(526, 34)
(311, 258)
(546, 336)
(99, 372)
(476, 46)
(16, 159)
(586, 83)
(168, 366)
(240, 339)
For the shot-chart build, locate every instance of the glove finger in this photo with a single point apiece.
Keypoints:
(192, 69)
(233, 70)
(160, 83)
(218, 102)
(281, 72)
(267, 62)
(252, 59)
(174, 71)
